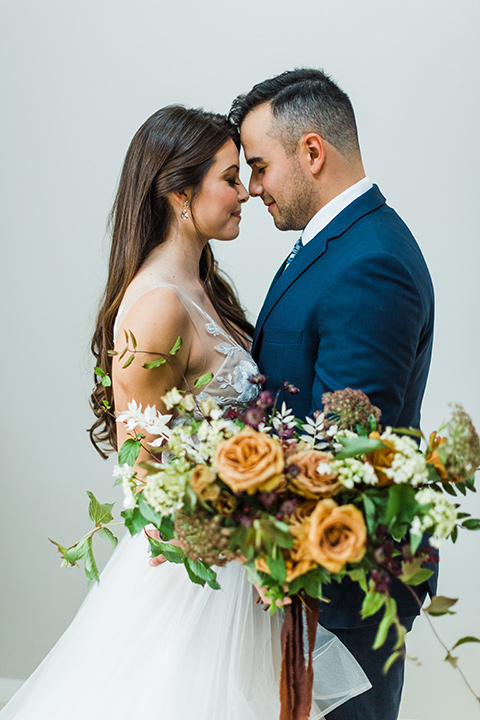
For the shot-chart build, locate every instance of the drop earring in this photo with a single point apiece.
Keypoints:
(184, 214)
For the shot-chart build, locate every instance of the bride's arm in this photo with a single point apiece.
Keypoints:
(156, 320)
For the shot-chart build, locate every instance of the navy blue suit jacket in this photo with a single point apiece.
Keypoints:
(354, 309)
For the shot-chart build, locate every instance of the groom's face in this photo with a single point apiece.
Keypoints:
(277, 175)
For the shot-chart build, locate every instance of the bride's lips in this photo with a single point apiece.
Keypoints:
(237, 214)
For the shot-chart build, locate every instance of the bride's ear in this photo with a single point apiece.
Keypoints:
(181, 202)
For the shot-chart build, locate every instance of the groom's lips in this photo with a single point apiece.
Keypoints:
(270, 205)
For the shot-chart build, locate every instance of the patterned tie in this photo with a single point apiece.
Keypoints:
(296, 249)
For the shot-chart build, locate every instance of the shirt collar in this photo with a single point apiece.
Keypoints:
(333, 208)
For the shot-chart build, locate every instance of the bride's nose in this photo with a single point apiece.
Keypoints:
(242, 193)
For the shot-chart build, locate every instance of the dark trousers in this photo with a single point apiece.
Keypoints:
(382, 701)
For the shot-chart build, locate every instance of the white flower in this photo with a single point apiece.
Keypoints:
(171, 398)
(438, 517)
(126, 474)
(408, 465)
(188, 402)
(164, 490)
(210, 408)
(152, 421)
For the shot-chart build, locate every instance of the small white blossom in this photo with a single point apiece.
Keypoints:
(210, 408)
(165, 489)
(408, 465)
(172, 398)
(438, 518)
(127, 475)
(188, 402)
(324, 468)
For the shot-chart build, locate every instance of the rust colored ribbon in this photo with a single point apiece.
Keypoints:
(296, 678)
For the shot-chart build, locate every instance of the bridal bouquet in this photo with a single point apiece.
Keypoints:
(301, 503)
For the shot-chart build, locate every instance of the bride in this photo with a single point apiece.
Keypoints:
(147, 643)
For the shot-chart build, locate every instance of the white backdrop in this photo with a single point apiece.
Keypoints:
(78, 79)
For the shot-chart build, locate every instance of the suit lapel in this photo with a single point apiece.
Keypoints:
(366, 203)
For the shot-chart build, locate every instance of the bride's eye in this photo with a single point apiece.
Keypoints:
(233, 181)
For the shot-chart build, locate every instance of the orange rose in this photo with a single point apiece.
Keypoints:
(433, 458)
(381, 459)
(202, 480)
(335, 535)
(316, 478)
(249, 461)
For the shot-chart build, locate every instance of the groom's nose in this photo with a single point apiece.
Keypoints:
(255, 187)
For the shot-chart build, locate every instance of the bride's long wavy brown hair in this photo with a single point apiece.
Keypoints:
(172, 151)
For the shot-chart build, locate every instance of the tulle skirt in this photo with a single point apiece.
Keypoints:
(148, 644)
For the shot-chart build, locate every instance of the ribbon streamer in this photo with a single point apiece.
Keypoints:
(296, 678)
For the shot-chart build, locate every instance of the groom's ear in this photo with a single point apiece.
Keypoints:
(313, 151)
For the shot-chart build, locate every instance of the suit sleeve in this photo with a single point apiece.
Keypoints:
(369, 331)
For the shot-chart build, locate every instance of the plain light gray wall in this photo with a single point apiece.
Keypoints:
(78, 80)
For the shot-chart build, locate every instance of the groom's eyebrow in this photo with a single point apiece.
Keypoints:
(254, 160)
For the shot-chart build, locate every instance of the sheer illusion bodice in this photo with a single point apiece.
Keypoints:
(147, 643)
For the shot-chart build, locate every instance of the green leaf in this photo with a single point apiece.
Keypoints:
(454, 534)
(386, 622)
(106, 404)
(393, 657)
(203, 380)
(471, 524)
(276, 565)
(107, 534)
(106, 382)
(129, 452)
(148, 512)
(91, 569)
(369, 507)
(177, 346)
(134, 520)
(154, 364)
(466, 639)
(449, 489)
(372, 602)
(99, 514)
(414, 432)
(129, 361)
(440, 605)
(200, 573)
(359, 576)
(415, 541)
(354, 446)
(112, 353)
(134, 340)
(98, 371)
(413, 573)
(172, 553)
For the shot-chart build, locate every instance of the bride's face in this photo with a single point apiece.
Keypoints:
(218, 203)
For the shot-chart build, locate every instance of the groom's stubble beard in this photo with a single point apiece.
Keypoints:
(298, 204)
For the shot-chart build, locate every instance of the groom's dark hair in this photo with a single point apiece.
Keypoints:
(303, 100)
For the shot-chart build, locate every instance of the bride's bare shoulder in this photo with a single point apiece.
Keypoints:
(156, 317)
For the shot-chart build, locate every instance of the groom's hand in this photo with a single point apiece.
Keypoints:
(155, 535)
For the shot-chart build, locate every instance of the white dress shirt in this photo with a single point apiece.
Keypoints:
(334, 207)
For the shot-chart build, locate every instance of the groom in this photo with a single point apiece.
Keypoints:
(352, 306)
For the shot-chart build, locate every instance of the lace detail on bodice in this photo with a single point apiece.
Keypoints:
(230, 384)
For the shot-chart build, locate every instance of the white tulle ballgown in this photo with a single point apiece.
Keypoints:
(147, 644)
